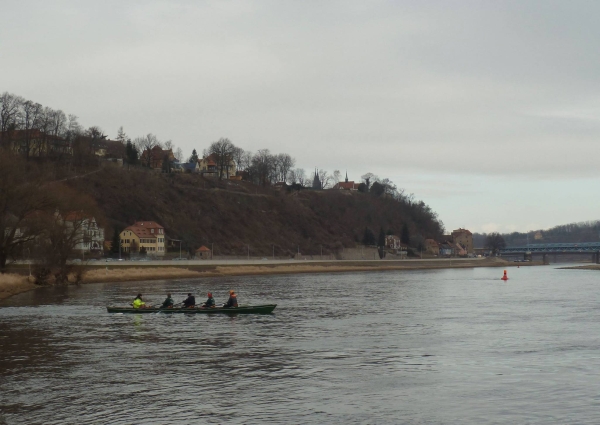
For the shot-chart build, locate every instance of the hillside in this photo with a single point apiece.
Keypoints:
(234, 214)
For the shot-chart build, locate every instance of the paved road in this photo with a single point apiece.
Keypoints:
(266, 262)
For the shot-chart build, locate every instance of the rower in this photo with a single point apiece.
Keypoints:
(168, 303)
(232, 301)
(138, 302)
(210, 302)
(189, 302)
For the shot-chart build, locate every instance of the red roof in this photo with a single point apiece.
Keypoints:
(203, 249)
(462, 231)
(144, 228)
(346, 185)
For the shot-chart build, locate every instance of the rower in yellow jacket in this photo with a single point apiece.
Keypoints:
(138, 302)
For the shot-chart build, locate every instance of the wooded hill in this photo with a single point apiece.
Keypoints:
(234, 214)
(588, 231)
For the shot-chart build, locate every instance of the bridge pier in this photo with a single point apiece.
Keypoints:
(596, 258)
(545, 259)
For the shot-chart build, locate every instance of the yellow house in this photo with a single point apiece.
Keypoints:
(209, 166)
(144, 235)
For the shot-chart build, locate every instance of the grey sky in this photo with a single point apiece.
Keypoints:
(488, 111)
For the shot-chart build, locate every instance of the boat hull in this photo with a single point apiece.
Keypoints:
(254, 309)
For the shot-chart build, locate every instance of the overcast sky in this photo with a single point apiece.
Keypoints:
(487, 111)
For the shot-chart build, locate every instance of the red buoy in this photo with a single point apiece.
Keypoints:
(504, 277)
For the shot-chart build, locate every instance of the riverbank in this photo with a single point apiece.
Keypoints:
(12, 284)
(585, 267)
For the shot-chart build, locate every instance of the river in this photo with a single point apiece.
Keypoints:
(421, 347)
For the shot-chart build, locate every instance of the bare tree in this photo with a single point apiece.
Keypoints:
(122, 136)
(262, 167)
(495, 242)
(65, 230)
(337, 177)
(284, 164)
(297, 176)
(368, 179)
(9, 112)
(222, 151)
(325, 179)
(238, 157)
(145, 144)
(29, 122)
(169, 145)
(245, 161)
(179, 155)
(22, 197)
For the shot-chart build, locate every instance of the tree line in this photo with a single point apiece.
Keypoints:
(41, 219)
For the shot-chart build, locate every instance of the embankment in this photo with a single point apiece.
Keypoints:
(12, 284)
(585, 267)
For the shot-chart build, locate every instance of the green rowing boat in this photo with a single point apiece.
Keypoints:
(244, 309)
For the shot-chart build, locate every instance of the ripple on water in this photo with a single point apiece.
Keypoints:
(444, 346)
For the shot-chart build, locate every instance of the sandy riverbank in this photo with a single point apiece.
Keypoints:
(12, 284)
(585, 267)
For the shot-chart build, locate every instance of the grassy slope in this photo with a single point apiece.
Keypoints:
(233, 214)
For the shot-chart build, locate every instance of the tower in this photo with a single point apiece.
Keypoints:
(316, 181)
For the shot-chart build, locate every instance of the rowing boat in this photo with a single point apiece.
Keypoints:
(244, 309)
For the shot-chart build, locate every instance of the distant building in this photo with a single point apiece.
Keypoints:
(89, 235)
(346, 185)
(464, 238)
(446, 249)
(317, 185)
(208, 166)
(204, 253)
(432, 247)
(156, 156)
(392, 242)
(146, 236)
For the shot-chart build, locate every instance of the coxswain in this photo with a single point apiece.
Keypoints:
(210, 302)
(168, 303)
(138, 302)
(232, 301)
(189, 302)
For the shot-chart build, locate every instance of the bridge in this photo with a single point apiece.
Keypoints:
(555, 248)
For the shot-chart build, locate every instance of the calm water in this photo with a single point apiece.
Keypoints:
(422, 347)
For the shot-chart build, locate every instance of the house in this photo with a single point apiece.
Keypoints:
(446, 249)
(155, 157)
(185, 167)
(210, 166)
(105, 148)
(147, 236)
(89, 236)
(203, 253)
(432, 247)
(392, 242)
(460, 250)
(464, 238)
(346, 185)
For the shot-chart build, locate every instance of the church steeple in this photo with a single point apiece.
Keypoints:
(346, 176)
(316, 181)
